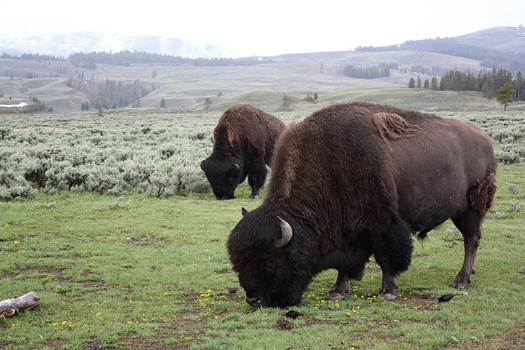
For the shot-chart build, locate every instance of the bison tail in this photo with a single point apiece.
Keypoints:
(394, 252)
(481, 195)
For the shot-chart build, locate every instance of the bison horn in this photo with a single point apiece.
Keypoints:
(287, 234)
(234, 167)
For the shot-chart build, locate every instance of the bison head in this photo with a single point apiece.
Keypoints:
(223, 174)
(271, 268)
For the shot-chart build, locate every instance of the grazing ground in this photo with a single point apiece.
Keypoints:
(137, 270)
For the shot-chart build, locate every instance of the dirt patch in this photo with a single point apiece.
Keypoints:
(423, 302)
(93, 345)
(140, 343)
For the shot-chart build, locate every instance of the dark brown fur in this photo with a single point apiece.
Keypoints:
(354, 180)
(244, 139)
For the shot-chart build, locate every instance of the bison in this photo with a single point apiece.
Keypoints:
(355, 180)
(244, 140)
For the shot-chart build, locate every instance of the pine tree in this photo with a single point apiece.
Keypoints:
(434, 84)
(287, 101)
(505, 94)
(488, 87)
(207, 103)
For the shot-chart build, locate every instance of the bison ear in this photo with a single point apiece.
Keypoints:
(286, 234)
(244, 211)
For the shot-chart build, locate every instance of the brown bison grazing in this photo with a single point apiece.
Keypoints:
(354, 180)
(244, 139)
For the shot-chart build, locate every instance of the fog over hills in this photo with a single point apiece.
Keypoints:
(507, 39)
(63, 45)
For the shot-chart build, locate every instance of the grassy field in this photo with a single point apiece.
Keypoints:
(135, 271)
(141, 272)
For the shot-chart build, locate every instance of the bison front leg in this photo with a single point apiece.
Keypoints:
(340, 288)
(393, 253)
(388, 289)
(256, 177)
(469, 225)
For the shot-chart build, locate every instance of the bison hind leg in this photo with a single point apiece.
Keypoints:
(480, 198)
(470, 226)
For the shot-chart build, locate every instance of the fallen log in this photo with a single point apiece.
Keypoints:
(9, 307)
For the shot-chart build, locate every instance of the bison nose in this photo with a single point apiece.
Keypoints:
(255, 302)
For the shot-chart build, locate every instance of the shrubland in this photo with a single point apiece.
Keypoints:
(153, 151)
(156, 153)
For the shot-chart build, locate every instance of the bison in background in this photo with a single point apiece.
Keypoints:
(355, 180)
(244, 140)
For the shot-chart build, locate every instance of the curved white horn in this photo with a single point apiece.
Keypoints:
(235, 167)
(287, 234)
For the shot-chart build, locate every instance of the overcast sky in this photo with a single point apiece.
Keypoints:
(266, 27)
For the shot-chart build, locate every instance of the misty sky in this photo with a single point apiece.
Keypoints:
(267, 27)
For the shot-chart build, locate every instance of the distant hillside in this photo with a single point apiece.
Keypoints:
(86, 71)
(502, 47)
(506, 39)
(64, 45)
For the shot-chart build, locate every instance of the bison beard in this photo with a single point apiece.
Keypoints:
(355, 180)
(244, 139)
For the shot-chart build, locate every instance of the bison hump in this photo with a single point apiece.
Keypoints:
(391, 126)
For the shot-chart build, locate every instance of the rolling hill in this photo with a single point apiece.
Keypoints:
(501, 47)
(506, 39)
(194, 86)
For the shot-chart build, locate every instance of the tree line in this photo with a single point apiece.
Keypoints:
(110, 93)
(127, 58)
(450, 46)
(368, 72)
(32, 56)
(486, 82)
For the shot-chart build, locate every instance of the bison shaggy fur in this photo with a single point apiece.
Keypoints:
(355, 180)
(244, 139)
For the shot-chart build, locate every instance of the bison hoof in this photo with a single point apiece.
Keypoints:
(390, 297)
(255, 302)
(335, 296)
(459, 285)
(389, 292)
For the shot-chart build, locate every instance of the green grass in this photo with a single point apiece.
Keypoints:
(141, 272)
